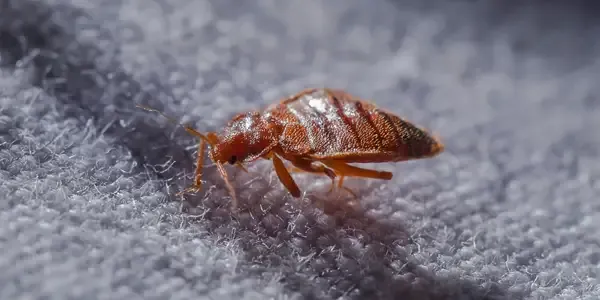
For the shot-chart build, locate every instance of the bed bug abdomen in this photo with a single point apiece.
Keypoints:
(331, 124)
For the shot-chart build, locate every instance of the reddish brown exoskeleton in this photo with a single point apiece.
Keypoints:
(319, 131)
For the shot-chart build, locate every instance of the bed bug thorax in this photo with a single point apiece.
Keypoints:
(320, 131)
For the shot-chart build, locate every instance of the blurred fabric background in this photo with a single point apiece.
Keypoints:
(509, 211)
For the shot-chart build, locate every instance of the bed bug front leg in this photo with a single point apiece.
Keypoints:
(197, 185)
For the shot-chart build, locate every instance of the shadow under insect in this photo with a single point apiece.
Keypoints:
(343, 241)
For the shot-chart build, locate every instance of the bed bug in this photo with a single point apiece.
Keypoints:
(320, 131)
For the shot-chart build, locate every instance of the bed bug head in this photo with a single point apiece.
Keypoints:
(245, 138)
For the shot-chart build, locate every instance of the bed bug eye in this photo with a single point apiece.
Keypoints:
(232, 160)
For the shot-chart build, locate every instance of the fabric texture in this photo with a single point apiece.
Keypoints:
(509, 211)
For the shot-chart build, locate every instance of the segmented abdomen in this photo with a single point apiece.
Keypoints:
(324, 123)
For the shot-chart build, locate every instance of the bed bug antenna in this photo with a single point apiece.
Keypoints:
(187, 128)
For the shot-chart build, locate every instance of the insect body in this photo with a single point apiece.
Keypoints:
(319, 131)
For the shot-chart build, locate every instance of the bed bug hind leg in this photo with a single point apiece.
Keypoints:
(305, 165)
(340, 185)
(344, 170)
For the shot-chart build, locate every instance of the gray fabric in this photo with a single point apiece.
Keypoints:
(509, 211)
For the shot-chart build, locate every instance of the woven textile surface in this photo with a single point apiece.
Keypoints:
(509, 211)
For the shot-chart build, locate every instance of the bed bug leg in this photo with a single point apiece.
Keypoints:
(234, 200)
(284, 176)
(340, 185)
(308, 166)
(344, 169)
(197, 185)
(303, 165)
(209, 138)
(294, 169)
